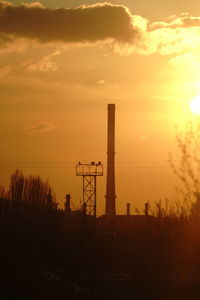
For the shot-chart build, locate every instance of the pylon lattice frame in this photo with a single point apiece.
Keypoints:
(89, 172)
(89, 194)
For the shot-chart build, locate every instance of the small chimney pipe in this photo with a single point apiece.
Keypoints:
(68, 202)
(146, 209)
(128, 209)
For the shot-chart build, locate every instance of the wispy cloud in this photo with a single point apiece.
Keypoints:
(101, 82)
(41, 127)
(46, 63)
(182, 21)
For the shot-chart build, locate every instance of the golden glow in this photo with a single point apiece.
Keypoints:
(195, 105)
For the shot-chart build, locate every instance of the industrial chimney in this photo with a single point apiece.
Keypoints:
(68, 202)
(110, 185)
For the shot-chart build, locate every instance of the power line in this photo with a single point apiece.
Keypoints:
(71, 164)
(74, 162)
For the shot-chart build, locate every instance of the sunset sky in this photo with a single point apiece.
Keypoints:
(63, 61)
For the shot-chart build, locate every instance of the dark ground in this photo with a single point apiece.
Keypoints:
(41, 258)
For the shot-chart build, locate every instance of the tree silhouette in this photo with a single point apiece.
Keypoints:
(2, 192)
(31, 189)
(188, 167)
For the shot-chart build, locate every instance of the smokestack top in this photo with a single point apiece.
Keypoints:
(111, 106)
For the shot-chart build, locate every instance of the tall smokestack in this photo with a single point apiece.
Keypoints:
(110, 185)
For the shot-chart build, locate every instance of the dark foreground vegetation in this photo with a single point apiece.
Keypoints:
(47, 253)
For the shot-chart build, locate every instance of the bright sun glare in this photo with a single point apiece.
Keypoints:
(195, 105)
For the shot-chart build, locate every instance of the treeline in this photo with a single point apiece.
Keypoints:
(26, 193)
(42, 257)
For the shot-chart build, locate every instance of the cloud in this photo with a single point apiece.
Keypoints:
(42, 127)
(101, 82)
(24, 24)
(182, 21)
(178, 35)
(93, 23)
(185, 59)
(46, 63)
(175, 35)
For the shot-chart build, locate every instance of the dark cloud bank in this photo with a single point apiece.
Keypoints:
(83, 24)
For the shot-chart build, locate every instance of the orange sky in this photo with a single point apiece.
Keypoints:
(59, 68)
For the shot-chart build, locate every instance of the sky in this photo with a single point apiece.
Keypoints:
(62, 62)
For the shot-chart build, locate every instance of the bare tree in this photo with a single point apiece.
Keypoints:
(2, 192)
(16, 186)
(31, 189)
(188, 167)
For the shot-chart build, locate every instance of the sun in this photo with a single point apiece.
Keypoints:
(195, 105)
